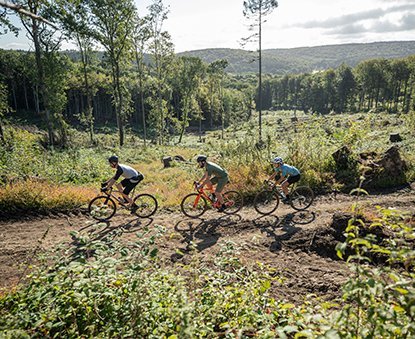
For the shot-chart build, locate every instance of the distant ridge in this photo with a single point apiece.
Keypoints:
(305, 59)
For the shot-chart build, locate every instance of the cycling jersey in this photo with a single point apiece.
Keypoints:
(287, 170)
(216, 170)
(125, 171)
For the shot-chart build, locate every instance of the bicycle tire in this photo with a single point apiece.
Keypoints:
(147, 205)
(301, 198)
(193, 205)
(233, 201)
(266, 201)
(102, 208)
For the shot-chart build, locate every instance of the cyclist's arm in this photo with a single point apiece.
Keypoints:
(204, 179)
(281, 179)
(272, 177)
(117, 175)
(110, 182)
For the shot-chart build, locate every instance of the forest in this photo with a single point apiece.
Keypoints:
(340, 268)
(140, 84)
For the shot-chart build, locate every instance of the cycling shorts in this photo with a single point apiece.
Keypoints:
(221, 182)
(130, 183)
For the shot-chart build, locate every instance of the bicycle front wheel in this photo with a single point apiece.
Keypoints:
(266, 202)
(102, 208)
(233, 201)
(301, 198)
(193, 205)
(146, 205)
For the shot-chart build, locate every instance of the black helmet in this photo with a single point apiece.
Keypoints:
(201, 158)
(113, 158)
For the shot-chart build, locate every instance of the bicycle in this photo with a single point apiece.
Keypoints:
(194, 205)
(267, 200)
(103, 207)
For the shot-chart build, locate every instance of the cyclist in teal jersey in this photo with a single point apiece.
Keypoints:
(288, 175)
(220, 178)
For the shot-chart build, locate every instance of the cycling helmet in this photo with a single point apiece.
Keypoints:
(113, 158)
(277, 160)
(201, 158)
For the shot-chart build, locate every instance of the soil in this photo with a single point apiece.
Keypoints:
(299, 246)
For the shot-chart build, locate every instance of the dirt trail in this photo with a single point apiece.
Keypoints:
(298, 245)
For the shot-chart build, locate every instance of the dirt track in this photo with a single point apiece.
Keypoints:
(298, 245)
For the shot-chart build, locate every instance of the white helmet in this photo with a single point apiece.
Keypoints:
(277, 160)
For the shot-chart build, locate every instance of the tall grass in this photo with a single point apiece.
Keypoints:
(307, 144)
(34, 197)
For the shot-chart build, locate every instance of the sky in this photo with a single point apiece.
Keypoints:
(201, 24)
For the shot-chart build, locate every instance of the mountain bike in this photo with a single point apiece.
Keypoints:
(267, 200)
(194, 205)
(103, 207)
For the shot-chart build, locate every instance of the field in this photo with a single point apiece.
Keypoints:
(218, 276)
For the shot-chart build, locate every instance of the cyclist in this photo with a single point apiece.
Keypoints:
(288, 175)
(220, 178)
(131, 179)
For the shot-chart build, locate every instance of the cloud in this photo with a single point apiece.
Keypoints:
(400, 17)
(406, 23)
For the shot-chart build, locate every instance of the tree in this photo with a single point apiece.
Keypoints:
(257, 10)
(112, 22)
(5, 24)
(216, 73)
(190, 78)
(45, 41)
(162, 53)
(142, 34)
(345, 87)
(74, 17)
(4, 107)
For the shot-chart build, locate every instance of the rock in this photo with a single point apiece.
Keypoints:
(339, 224)
(395, 137)
(178, 158)
(342, 157)
(392, 163)
(167, 161)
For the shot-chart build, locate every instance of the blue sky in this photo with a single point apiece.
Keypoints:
(199, 24)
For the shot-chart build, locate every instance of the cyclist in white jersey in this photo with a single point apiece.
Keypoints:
(131, 178)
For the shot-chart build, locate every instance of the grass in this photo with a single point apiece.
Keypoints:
(308, 144)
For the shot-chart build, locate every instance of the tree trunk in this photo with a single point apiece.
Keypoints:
(260, 73)
(3, 141)
(14, 94)
(140, 81)
(118, 98)
(25, 95)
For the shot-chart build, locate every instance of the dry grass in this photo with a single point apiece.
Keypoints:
(34, 197)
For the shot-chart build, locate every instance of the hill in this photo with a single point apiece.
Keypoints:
(305, 59)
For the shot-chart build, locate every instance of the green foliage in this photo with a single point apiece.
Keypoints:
(380, 299)
(105, 288)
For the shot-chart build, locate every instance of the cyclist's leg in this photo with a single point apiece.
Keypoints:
(289, 181)
(209, 183)
(127, 188)
(120, 187)
(219, 189)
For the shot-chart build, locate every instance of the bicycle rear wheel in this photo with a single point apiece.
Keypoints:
(102, 208)
(301, 198)
(193, 205)
(266, 202)
(147, 205)
(233, 201)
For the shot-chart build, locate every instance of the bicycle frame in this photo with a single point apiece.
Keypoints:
(278, 189)
(202, 193)
(113, 194)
